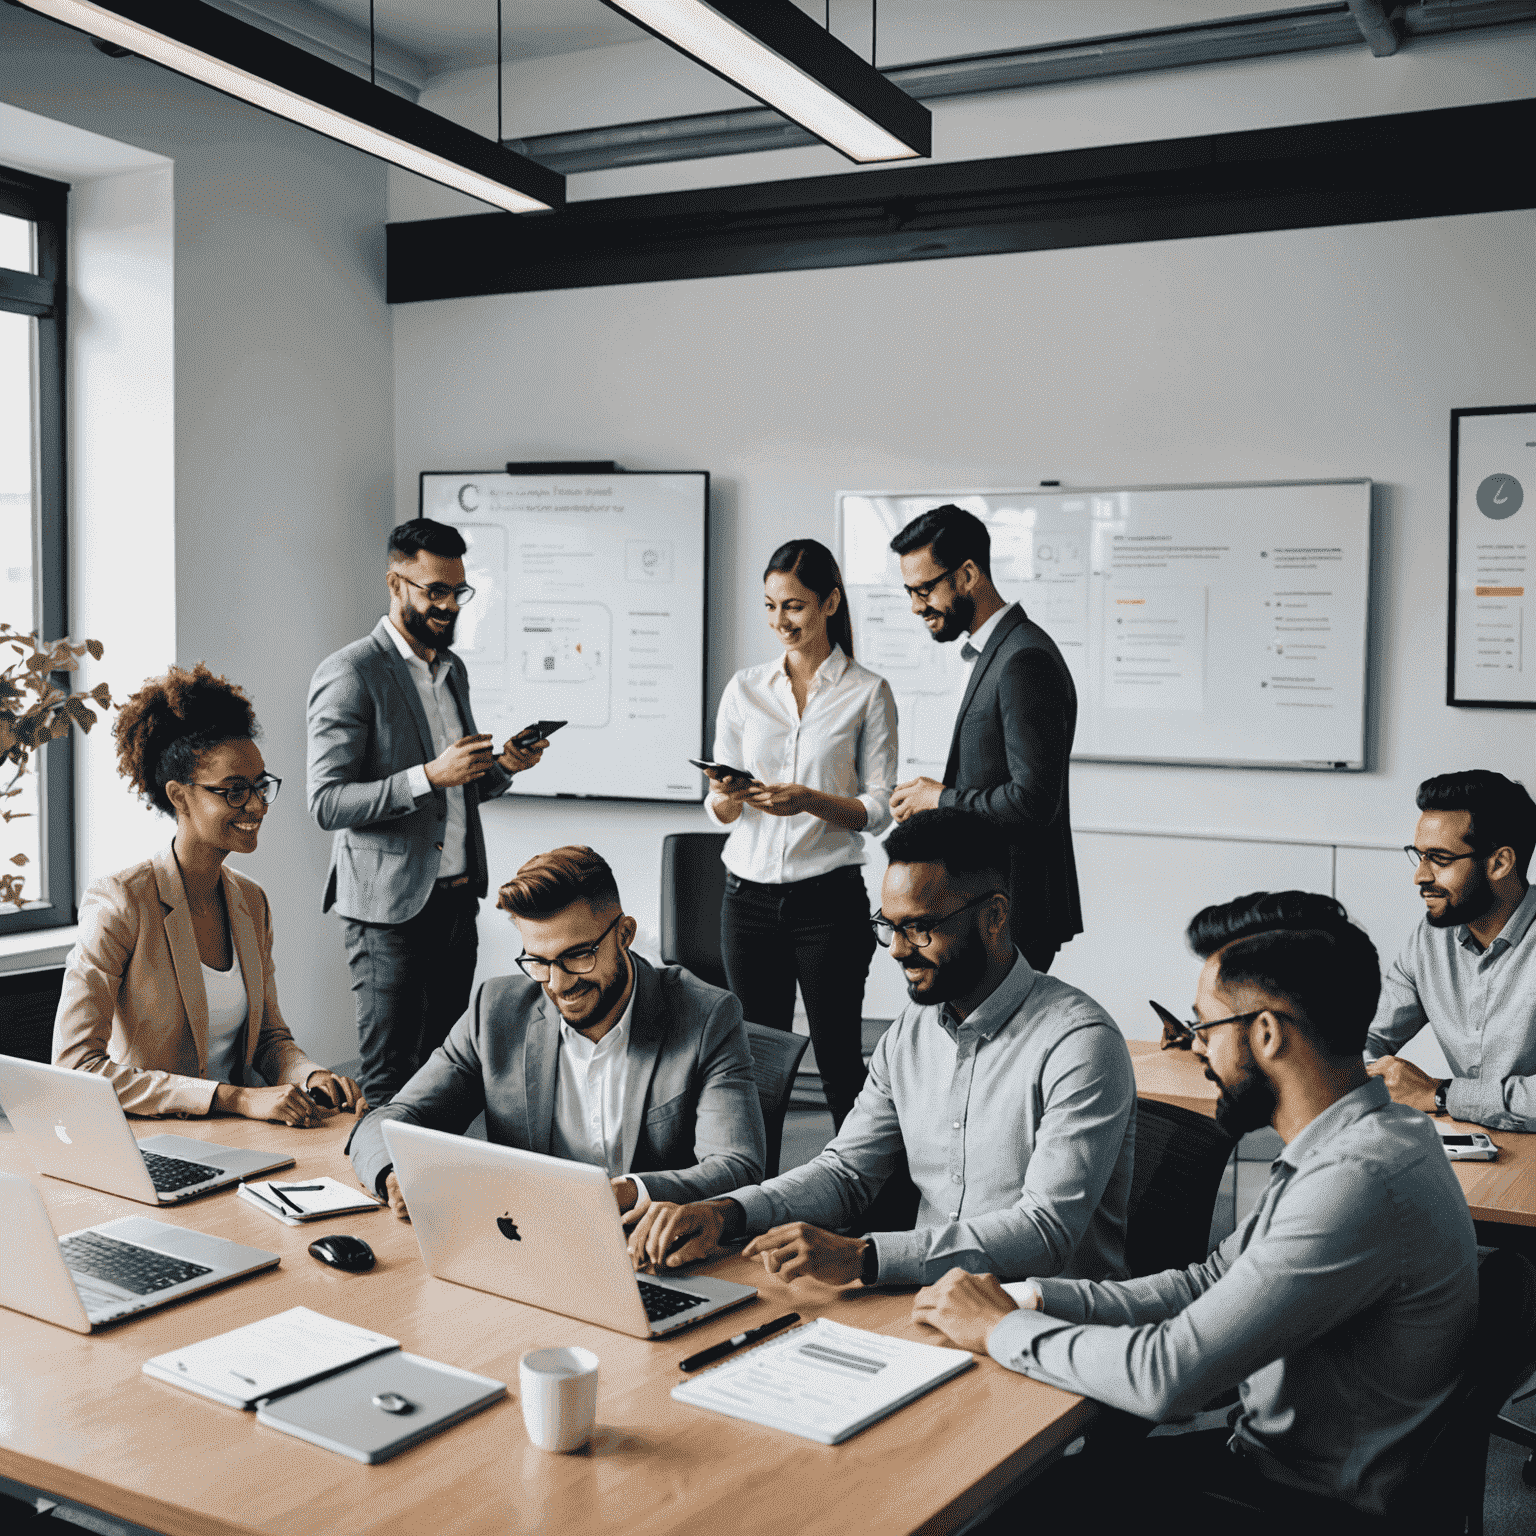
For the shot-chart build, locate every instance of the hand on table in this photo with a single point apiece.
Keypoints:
(340, 1092)
(468, 759)
(515, 757)
(964, 1307)
(396, 1198)
(1405, 1082)
(667, 1235)
(286, 1104)
(797, 1249)
(780, 799)
(915, 795)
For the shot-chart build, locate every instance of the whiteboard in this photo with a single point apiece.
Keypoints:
(589, 607)
(1220, 624)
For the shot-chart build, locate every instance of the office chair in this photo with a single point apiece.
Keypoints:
(1180, 1158)
(775, 1059)
(692, 890)
(28, 1002)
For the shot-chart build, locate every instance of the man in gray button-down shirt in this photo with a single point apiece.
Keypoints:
(1339, 1309)
(1469, 969)
(1010, 1092)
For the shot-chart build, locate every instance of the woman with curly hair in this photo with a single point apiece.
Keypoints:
(170, 992)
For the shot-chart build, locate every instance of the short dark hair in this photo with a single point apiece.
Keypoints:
(1503, 814)
(549, 882)
(964, 844)
(1328, 973)
(955, 534)
(421, 533)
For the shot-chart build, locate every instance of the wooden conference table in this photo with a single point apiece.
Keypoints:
(79, 1419)
(1500, 1194)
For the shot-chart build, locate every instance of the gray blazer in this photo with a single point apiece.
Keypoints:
(693, 1126)
(367, 729)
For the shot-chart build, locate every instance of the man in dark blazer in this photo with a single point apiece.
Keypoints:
(591, 1054)
(397, 772)
(1009, 753)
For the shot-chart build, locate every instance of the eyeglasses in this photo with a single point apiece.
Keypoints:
(1184, 1034)
(265, 789)
(1438, 856)
(924, 589)
(577, 962)
(440, 592)
(919, 933)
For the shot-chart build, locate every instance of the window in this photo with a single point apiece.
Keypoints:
(32, 529)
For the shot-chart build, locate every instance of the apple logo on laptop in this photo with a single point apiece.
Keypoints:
(508, 1228)
(62, 1134)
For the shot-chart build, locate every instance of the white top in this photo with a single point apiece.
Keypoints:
(447, 728)
(228, 1011)
(978, 641)
(844, 744)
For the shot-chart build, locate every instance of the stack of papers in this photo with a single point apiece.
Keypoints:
(295, 1201)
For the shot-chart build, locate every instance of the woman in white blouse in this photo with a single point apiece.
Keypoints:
(817, 732)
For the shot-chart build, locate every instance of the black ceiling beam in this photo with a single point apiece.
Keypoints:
(1411, 165)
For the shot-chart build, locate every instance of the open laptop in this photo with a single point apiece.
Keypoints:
(540, 1230)
(75, 1129)
(105, 1273)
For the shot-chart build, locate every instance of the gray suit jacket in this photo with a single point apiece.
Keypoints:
(367, 729)
(693, 1126)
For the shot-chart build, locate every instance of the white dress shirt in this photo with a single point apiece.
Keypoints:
(447, 728)
(228, 1011)
(844, 744)
(976, 643)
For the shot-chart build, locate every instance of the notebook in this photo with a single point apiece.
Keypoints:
(295, 1201)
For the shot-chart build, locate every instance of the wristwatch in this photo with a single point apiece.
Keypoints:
(1441, 1088)
(870, 1272)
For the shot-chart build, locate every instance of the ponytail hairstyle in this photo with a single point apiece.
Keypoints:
(811, 563)
(170, 722)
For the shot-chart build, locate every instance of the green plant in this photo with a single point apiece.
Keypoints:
(34, 712)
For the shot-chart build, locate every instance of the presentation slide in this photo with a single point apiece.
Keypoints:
(1202, 624)
(589, 608)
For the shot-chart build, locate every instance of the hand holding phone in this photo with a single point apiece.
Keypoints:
(727, 777)
(540, 730)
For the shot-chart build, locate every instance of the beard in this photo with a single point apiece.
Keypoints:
(601, 999)
(417, 627)
(960, 974)
(1245, 1105)
(954, 620)
(1477, 899)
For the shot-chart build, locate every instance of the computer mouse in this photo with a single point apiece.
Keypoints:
(342, 1252)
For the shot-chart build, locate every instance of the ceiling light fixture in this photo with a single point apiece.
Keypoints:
(240, 60)
(775, 52)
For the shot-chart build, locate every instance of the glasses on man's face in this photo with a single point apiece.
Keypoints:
(574, 962)
(920, 931)
(924, 589)
(440, 592)
(1183, 1033)
(1439, 857)
(265, 789)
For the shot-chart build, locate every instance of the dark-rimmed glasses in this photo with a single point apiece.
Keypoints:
(924, 589)
(576, 962)
(1180, 1034)
(919, 933)
(440, 592)
(265, 789)
(1439, 857)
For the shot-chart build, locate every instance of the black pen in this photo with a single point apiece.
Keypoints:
(292, 1205)
(730, 1346)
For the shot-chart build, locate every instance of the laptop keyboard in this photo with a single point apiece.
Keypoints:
(172, 1173)
(661, 1302)
(140, 1270)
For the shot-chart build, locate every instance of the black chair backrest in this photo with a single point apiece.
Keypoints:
(28, 1002)
(1180, 1157)
(775, 1059)
(1444, 1491)
(692, 891)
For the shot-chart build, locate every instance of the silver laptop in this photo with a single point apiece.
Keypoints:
(75, 1129)
(539, 1230)
(105, 1273)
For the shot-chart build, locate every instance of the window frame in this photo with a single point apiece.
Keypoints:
(44, 296)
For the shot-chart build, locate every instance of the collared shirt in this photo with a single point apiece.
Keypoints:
(976, 643)
(1481, 1004)
(1339, 1309)
(1018, 1123)
(844, 744)
(447, 728)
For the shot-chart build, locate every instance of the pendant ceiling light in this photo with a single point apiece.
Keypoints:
(775, 52)
(240, 60)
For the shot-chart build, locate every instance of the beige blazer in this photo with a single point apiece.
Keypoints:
(134, 1008)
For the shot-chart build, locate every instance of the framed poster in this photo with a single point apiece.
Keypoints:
(1491, 660)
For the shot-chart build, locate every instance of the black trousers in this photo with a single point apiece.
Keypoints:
(815, 932)
(410, 983)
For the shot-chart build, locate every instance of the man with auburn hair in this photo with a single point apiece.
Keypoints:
(591, 1054)
(1010, 1092)
(398, 773)
(1469, 969)
(1340, 1307)
(1009, 754)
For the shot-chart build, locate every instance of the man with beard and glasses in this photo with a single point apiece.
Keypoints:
(1008, 755)
(591, 1055)
(1339, 1308)
(397, 772)
(1010, 1093)
(1469, 969)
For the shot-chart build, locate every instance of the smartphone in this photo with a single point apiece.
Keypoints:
(720, 770)
(536, 732)
(1462, 1147)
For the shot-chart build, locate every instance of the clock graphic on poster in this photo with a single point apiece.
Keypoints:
(1500, 496)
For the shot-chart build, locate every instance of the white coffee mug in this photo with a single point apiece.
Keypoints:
(559, 1397)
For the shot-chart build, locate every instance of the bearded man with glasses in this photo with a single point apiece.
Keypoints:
(397, 772)
(1010, 1093)
(591, 1054)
